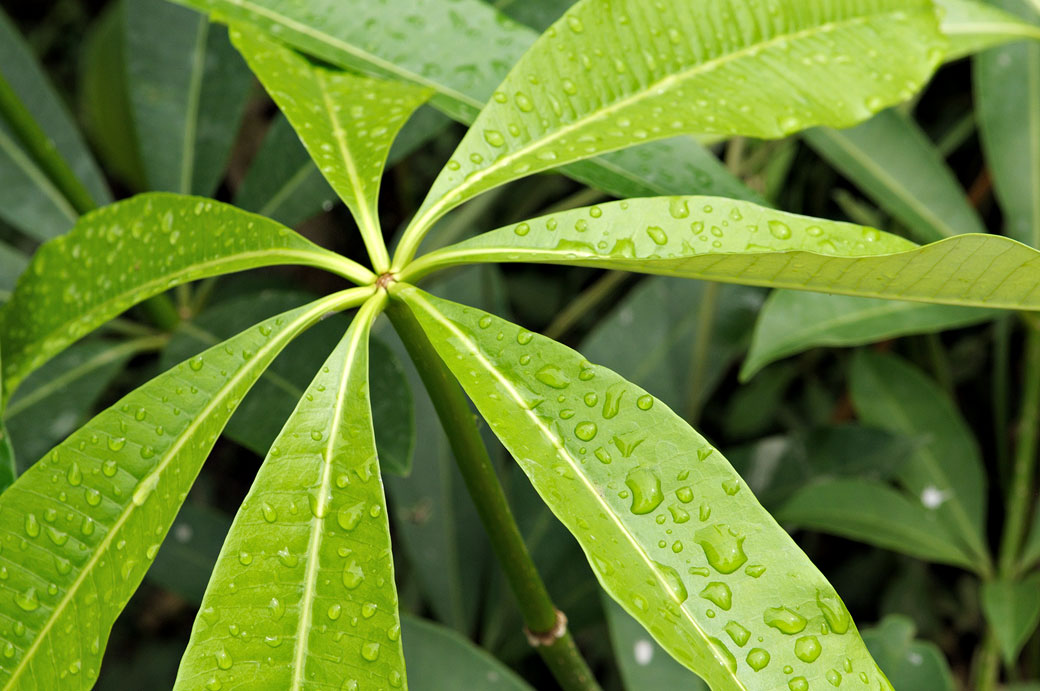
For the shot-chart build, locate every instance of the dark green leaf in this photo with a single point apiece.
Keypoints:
(909, 663)
(1012, 609)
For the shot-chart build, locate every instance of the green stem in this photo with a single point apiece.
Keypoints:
(542, 619)
(988, 665)
(1021, 486)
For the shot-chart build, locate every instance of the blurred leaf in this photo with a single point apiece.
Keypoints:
(439, 659)
(57, 398)
(60, 298)
(186, 559)
(669, 314)
(643, 663)
(1031, 548)
(12, 263)
(1012, 609)
(754, 406)
(792, 322)
(575, 109)
(908, 663)
(899, 168)
(1007, 97)
(188, 91)
(526, 407)
(946, 471)
(874, 513)
(973, 26)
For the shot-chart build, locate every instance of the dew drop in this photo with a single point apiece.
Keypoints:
(370, 651)
(757, 659)
(645, 402)
(75, 475)
(494, 138)
(334, 612)
(723, 547)
(834, 612)
(684, 494)
(353, 575)
(718, 593)
(224, 660)
(738, 633)
(32, 525)
(646, 490)
(269, 514)
(780, 230)
(731, 487)
(28, 601)
(784, 620)
(586, 431)
(522, 229)
(807, 648)
(348, 517)
(553, 376)
(657, 234)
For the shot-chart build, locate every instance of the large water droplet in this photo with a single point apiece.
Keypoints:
(834, 612)
(28, 601)
(646, 490)
(784, 620)
(738, 633)
(353, 575)
(585, 431)
(32, 525)
(553, 376)
(718, 593)
(757, 659)
(780, 230)
(370, 651)
(807, 648)
(224, 660)
(348, 517)
(674, 581)
(723, 547)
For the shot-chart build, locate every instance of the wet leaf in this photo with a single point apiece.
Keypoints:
(973, 26)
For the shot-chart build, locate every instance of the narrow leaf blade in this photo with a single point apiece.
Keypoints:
(621, 470)
(972, 26)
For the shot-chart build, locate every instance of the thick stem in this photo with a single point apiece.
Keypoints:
(1021, 487)
(545, 625)
(988, 664)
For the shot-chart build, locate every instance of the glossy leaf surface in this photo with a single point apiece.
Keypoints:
(874, 513)
(82, 525)
(974, 25)
(621, 471)
(1007, 87)
(946, 472)
(791, 322)
(346, 122)
(305, 580)
(187, 90)
(611, 74)
(1012, 609)
(124, 253)
(737, 242)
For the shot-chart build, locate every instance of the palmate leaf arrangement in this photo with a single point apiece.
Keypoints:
(303, 594)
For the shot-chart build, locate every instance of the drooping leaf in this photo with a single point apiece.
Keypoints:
(57, 398)
(893, 162)
(874, 513)
(621, 470)
(642, 662)
(144, 245)
(737, 242)
(187, 91)
(1012, 609)
(346, 122)
(909, 663)
(792, 322)
(439, 659)
(93, 512)
(306, 575)
(974, 25)
(611, 74)
(1007, 89)
(945, 473)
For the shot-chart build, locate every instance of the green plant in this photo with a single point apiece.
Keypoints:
(303, 594)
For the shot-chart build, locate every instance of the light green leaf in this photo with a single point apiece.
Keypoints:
(93, 512)
(910, 664)
(305, 576)
(792, 322)
(145, 245)
(1007, 97)
(898, 167)
(346, 122)
(946, 471)
(643, 664)
(612, 74)
(737, 242)
(1012, 609)
(621, 470)
(874, 513)
(433, 43)
(187, 91)
(439, 659)
(973, 26)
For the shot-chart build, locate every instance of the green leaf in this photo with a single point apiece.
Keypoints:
(187, 90)
(1012, 609)
(1031, 548)
(973, 26)
(439, 659)
(305, 576)
(792, 322)
(12, 263)
(737, 242)
(1007, 94)
(946, 471)
(643, 664)
(56, 399)
(621, 470)
(433, 43)
(346, 122)
(611, 74)
(909, 663)
(92, 513)
(899, 168)
(145, 245)
(187, 556)
(874, 513)
(8, 464)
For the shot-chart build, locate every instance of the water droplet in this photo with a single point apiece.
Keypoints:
(522, 229)
(807, 648)
(348, 517)
(834, 612)
(32, 525)
(553, 376)
(109, 468)
(657, 234)
(214, 684)
(273, 641)
(287, 558)
(223, 659)
(679, 514)
(523, 102)
(334, 612)
(586, 431)
(116, 443)
(646, 490)
(524, 337)
(718, 593)
(738, 633)
(591, 399)
(575, 24)
(612, 401)
(723, 547)
(784, 620)
(684, 494)
(731, 487)
(494, 138)
(353, 575)
(779, 230)
(645, 402)
(757, 659)
(368, 609)
(755, 570)
(195, 363)
(370, 651)
(245, 558)
(75, 475)
(28, 601)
